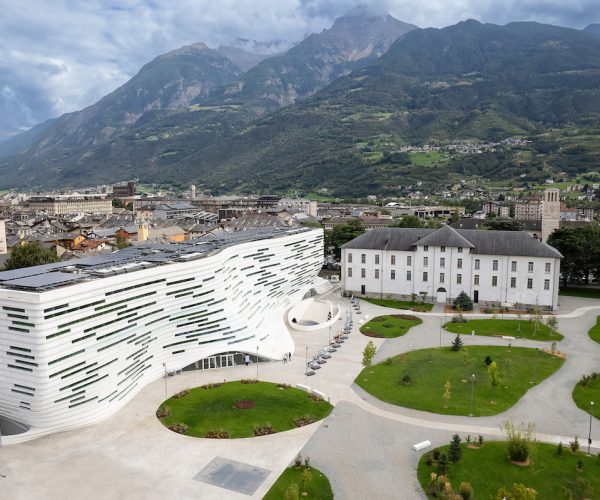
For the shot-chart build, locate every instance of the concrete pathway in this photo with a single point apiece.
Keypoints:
(364, 446)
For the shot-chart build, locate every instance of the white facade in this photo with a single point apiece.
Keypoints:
(442, 272)
(75, 354)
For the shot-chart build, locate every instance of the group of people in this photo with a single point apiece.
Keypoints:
(287, 357)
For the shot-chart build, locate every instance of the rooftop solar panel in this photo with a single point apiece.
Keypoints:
(45, 280)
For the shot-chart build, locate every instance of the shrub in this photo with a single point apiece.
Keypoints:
(217, 435)
(284, 386)
(436, 454)
(466, 491)
(560, 449)
(264, 430)
(579, 465)
(211, 386)
(249, 381)
(388, 361)
(307, 463)
(458, 318)
(494, 374)
(406, 379)
(428, 459)
(442, 464)
(518, 492)
(298, 461)
(302, 421)
(179, 428)
(480, 440)
(163, 411)
(368, 354)
(455, 450)
(316, 398)
(519, 440)
(463, 301)
(586, 379)
(574, 445)
(487, 361)
(457, 343)
(292, 492)
(181, 394)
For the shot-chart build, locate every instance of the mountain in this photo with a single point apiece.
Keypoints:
(185, 101)
(353, 41)
(594, 29)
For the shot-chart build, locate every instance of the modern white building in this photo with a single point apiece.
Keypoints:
(79, 339)
(495, 267)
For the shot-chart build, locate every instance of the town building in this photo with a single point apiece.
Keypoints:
(528, 208)
(71, 203)
(81, 338)
(500, 210)
(494, 267)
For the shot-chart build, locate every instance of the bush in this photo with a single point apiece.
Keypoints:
(429, 459)
(487, 361)
(519, 440)
(480, 440)
(211, 386)
(217, 435)
(574, 445)
(264, 430)
(406, 379)
(301, 422)
(436, 454)
(560, 449)
(163, 411)
(586, 379)
(466, 491)
(458, 318)
(463, 302)
(298, 461)
(179, 428)
(249, 381)
(181, 394)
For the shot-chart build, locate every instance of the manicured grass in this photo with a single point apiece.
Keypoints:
(497, 327)
(583, 394)
(589, 293)
(594, 332)
(400, 304)
(429, 369)
(205, 410)
(318, 487)
(488, 469)
(390, 326)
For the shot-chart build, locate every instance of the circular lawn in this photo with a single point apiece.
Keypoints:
(240, 409)
(522, 328)
(418, 379)
(389, 326)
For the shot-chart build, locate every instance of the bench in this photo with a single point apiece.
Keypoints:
(422, 445)
(303, 387)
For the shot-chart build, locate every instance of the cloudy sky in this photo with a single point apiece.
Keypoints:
(61, 55)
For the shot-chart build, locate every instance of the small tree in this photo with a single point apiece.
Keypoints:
(457, 343)
(306, 475)
(368, 354)
(494, 374)
(488, 361)
(574, 445)
(536, 319)
(552, 323)
(519, 440)
(455, 451)
(447, 387)
(463, 301)
(292, 492)
(517, 492)
(560, 449)
(519, 322)
(30, 254)
(443, 464)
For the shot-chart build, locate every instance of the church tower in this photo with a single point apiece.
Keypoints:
(550, 212)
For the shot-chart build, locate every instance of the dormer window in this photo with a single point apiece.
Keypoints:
(425, 248)
(443, 249)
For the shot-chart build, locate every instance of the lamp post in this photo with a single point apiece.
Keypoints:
(441, 322)
(472, 390)
(306, 365)
(165, 377)
(590, 432)
(256, 362)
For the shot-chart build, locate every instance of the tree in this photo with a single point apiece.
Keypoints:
(519, 440)
(457, 343)
(503, 225)
(368, 354)
(121, 241)
(30, 254)
(463, 301)
(443, 464)
(292, 492)
(341, 234)
(306, 475)
(447, 387)
(552, 323)
(494, 374)
(409, 221)
(536, 319)
(580, 248)
(455, 451)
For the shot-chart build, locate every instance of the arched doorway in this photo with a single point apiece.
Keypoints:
(440, 295)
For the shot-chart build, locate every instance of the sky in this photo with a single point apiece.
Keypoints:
(59, 56)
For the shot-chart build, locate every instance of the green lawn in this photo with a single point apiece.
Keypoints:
(594, 332)
(497, 327)
(390, 326)
(583, 394)
(205, 410)
(589, 293)
(400, 304)
(488, 469)
(427, 159)
(318, 487)
(429, 369)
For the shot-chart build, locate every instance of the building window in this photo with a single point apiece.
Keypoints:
(476, 279)
(376, 274)
(392, 274)
(494, 265)
(442, 277)
(349, 258)
(530, 267)
(459, 279)
(513, 282)
(442, 262)
(477, 263)
(459, 249)
(393, 260)
(349, 272)
(425, 261)
(408, 275)
(425, 248)
(513, 266)
(459, 264)
(363, 273)
(425, 276)
(494, 280)
(548, 265)
(363, 258)
(409, 260)
(546, 284)
(529, 282)
(443, 249)
(377, 259)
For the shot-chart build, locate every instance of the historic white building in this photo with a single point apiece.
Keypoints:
(79, 339)
(496, 267)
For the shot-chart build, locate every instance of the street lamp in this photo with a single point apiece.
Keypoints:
(472, 389)
(165, 377)
(256, 362)
(590, 433)
(306, 365)
(441, 322)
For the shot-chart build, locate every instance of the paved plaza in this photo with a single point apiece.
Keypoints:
(364, 446)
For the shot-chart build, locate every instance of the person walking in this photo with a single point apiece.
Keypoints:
(247, 359)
